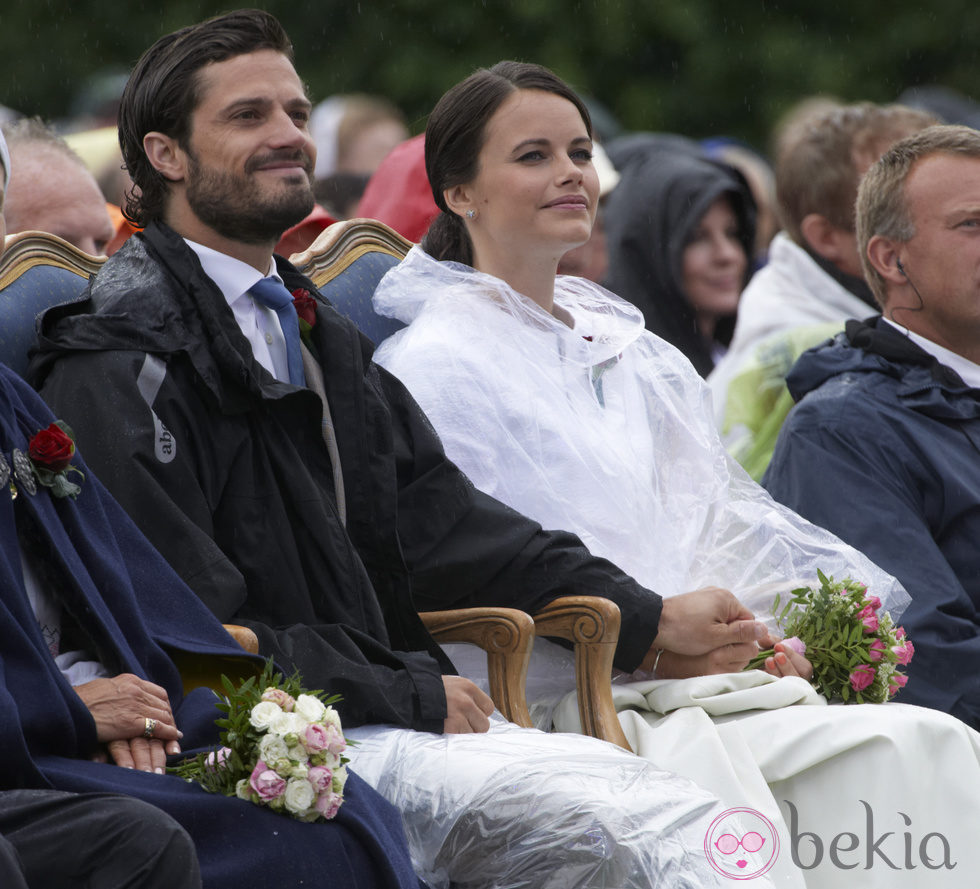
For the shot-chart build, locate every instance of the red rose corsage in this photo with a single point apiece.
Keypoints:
(50, 453)
(305, 307)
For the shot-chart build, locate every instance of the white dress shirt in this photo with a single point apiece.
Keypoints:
(259, 324)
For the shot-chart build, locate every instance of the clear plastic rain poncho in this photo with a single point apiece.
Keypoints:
(602, 429)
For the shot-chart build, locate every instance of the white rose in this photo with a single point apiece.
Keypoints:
(299, 754)
(264, 714)
(288, 723)
(299, 770)
(242, 790)
(310, 708)
(339, 779)
(331, 717)
(299, 795)
(272, 748)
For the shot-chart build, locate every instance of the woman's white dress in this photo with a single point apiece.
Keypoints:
(604, 429)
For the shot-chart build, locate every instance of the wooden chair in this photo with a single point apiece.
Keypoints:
(37, 271)
(346, 262)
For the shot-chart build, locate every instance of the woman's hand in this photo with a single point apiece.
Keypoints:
(121, 707)
(788, 662)
(142, 754)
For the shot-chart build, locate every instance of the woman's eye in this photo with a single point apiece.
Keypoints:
(582, 154)
(531, 156)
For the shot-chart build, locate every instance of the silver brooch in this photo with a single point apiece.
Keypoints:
(23, 473)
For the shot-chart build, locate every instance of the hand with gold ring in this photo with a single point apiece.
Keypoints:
(133, 717)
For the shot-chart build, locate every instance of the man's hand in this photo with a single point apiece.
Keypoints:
(727, 659)
(121, 705)
(467, 707)
(702, 621)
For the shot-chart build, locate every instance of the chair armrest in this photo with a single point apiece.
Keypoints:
(244, 637)
(591, 624)
(506, 635)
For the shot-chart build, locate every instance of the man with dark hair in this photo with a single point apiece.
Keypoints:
(882, 447)
(52, 190)
(812, 282)
(297, 488)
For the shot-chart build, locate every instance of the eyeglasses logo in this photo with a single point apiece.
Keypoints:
(741, 844)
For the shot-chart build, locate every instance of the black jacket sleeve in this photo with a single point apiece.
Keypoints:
(168, 466)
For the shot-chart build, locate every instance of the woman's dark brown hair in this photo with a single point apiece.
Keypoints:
(455, 135)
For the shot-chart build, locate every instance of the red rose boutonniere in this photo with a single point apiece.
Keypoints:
(305, 307)
(50, 453)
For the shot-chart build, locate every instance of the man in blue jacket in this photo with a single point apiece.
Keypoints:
(883, 449)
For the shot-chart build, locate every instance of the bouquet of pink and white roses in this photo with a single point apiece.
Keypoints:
(282, 748)
(851, 641)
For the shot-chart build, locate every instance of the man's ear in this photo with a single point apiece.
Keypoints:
(884, 256)
(165, 156)
(826, 239)
(458, 199)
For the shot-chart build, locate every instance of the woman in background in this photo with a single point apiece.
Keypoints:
(681, 232)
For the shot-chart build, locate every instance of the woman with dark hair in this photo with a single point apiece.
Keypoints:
(681, 232)
(551, 395)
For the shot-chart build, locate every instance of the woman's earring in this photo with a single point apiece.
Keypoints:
(471, 214)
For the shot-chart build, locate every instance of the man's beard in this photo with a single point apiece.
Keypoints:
(231, 204)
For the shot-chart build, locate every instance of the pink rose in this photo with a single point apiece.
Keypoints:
(278, 696)
(321, 778)
(895, 682)
(328, 802)
(903, 653)
(266, 782)
(796, 643)
(869, 619)
(862, 677)
(216, 758)
(336, 742)
(315, 737)
(874, 602)
(876, 651)
(900, 632)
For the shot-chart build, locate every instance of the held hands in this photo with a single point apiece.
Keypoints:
(121, 707)
(726, 659)
(468, 707)
(703, 621)
(710, 631)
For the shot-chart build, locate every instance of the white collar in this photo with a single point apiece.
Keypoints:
(231, 276)
(967, 370)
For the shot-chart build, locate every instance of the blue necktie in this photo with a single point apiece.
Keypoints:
(274, 295)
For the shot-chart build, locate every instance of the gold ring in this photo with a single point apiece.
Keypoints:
(148, 726)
